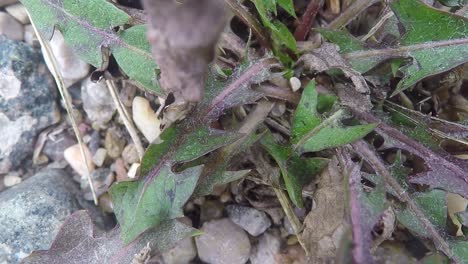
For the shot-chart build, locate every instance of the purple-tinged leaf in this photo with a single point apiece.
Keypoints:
(77, 243)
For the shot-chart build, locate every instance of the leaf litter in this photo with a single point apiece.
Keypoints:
(364, 200)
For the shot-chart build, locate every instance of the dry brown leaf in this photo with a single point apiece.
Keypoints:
(183, 35)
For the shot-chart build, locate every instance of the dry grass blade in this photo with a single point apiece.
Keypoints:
(126, 118)
(54, 69)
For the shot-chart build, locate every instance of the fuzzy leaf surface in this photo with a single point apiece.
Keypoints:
(435, 40)
(89, 26)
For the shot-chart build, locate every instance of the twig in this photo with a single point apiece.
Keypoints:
(279, 93)
(307, 19)
(250, 21)
(288, 210)
(362, 148)
(378, 25)
(351, 13)
(54, 69)
(126, 118)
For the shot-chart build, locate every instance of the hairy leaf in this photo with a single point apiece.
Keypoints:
(160, 192)
(76, 243)
(296, 171)
(90, 26)
(434, 206)
(435, 40)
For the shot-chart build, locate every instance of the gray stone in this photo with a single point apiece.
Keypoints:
(18, 11)
(73, 69)
(130, 154)
(97, 102)
(27, 100)
(265, 251)
(253, 221)
(182, 253)
(32, 213)
(114, 142)
(10, 27)
(223, 242)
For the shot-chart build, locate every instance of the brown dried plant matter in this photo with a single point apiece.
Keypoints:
(183, 35)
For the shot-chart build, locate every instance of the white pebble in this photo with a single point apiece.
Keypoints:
(145, 118)
(18, 11)
(73, 157)
(72, 68)
(11, 28)
(132, 172)
(30, 36)
(295, 84)
(11, 180)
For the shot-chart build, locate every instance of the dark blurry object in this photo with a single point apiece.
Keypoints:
(183, 35)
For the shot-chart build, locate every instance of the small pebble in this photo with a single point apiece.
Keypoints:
(114, 143)
(295, 84)
(130, 154)
(71, 66)
(223, 242)
(11, 180)
(120, 170)
(30, 36)
(145, 118)
(73, 157)
(97, 102)
(18, 11)
(133, 171)
(100, 156)
(279, 109)
(211, 209)
(253, 221)
(225, 197)
(11, 28)
(183, 252)
(7, 2)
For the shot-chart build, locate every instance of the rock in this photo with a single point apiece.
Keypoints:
(253, 221)
(27, 101)
(32, 213)
(130, 154)
(10, 28)
(100, 156)
(55, 147)
(114, 143)
(97, 102)
(265, 251)
(11, 180)
(71, 66)
(276, 214)
(30, 36)
(145, 118)
(182, 253)
(7, 2)
(73, 157)
(211, 209)
(223, 242)
(295, 84)
(18, 11)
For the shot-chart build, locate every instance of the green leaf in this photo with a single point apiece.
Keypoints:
(281, 35)
(330, 137)
(160, 193)
(305, 117)
(288, 5)
(88, 27)
(460, 249)
(436, 41)
(433, 204)
(141, 205)
(296, 171)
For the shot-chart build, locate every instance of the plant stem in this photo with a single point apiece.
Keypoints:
(280, 93)
(52, 64)
(126, 118)
(307, 19)
(351, 13)
(243, 14)
(362, 148)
